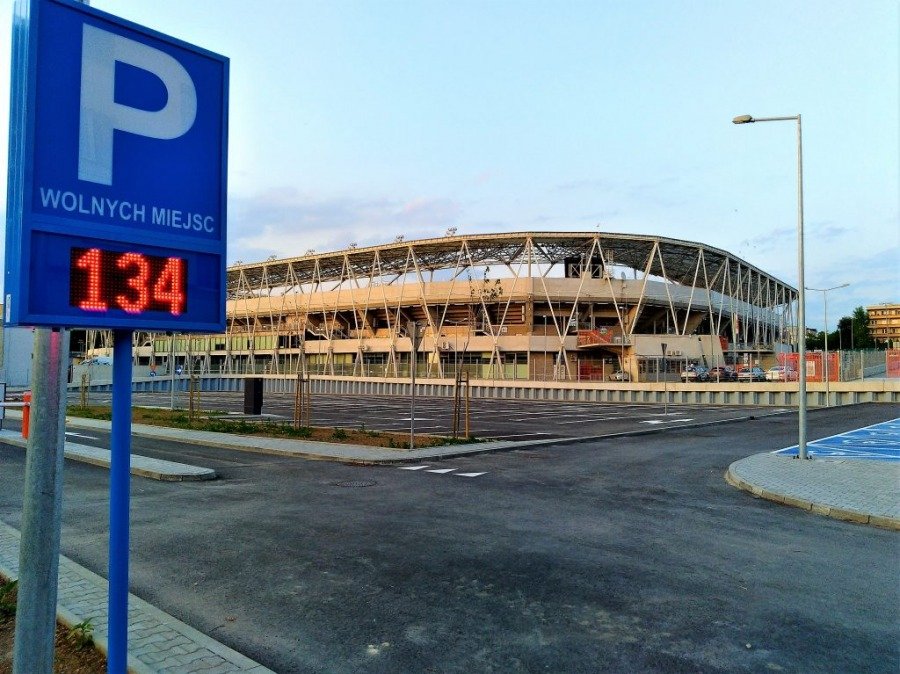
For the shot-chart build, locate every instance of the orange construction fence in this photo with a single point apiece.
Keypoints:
(892, 357)
(815, 365)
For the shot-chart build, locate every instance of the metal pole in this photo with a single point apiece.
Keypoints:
(545, 349)
(467, 406)
(172, 371)
(801, 295)
(42, 506)
(119, 484)
(665, 381)
(413, 330)
(827, 385)
(801, 310)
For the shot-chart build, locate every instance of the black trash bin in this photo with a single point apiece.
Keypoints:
(253, 396)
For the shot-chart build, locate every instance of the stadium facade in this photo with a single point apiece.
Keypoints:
(536, 305)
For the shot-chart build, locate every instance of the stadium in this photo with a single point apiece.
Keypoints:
(559, 306)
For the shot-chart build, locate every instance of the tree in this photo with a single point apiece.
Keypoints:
(845, 333)
(861, 337)
(816, 343)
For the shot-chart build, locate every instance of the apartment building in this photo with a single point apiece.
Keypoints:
(884, 323)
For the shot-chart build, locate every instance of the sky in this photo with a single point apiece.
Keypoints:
(356, 122)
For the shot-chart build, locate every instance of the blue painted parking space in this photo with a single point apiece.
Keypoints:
(880, 442)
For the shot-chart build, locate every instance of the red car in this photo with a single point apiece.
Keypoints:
(722, 373)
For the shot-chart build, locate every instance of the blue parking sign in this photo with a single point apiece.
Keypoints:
(117, 191)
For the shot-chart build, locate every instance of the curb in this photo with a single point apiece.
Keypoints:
(843, 514)
(91, 455)
(452, 451)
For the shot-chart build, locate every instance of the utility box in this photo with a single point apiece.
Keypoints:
(253, 396)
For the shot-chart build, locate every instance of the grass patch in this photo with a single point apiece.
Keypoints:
(220, 422)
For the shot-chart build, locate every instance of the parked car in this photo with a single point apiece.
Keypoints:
(695, 373)
(619, 375)
(722, 373)
(751, 374)
(781, 373)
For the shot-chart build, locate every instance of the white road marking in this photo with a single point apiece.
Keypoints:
(505, 436)
(665, 421)
(413, 467)
(79, 435)
(470, 474)
(587, 420)
(441, 470)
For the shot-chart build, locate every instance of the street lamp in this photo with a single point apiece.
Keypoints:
(824, 292)
(801, 299)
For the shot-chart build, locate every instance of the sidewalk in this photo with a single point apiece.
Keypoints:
(157, 642)
(867, 492)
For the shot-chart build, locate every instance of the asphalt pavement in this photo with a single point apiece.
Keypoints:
(629, 553)
(489, 419)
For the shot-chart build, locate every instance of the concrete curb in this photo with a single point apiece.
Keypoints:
(365, 455)
(197, 475)
(141, 466)
(844, 514)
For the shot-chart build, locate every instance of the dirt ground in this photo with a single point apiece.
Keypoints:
(69, 659)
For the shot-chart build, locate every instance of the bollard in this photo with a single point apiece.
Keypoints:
(26, 413)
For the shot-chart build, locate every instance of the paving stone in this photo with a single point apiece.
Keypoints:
(866, 492)
(157, 642)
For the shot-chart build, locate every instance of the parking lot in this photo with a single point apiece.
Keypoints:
(488, 418)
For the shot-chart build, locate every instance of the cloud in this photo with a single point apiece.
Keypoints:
(286, 223)
(772, 240)
(578, 185)
(873, 279)
(666, 192)
(814, 232)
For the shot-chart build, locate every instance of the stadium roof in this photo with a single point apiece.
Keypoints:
(682, 262)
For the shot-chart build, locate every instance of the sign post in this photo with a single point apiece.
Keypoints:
(42, 507)
(119, 499)
(116, 219)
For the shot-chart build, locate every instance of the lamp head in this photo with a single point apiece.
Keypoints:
(743, 119)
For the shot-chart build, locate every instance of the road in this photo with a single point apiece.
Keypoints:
(625, 555)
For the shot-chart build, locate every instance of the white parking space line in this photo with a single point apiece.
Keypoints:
(664, 421)
(412, 467)
(79, 435)
(440, 470)
(586, 420)
(469, 474)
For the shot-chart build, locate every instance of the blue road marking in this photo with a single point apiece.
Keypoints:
(879, 442)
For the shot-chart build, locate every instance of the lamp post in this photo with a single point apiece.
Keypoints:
(824, 292)
(801, 298)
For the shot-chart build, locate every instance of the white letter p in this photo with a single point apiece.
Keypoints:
(101, 115)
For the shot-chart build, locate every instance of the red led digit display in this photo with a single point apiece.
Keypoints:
(100, 280)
